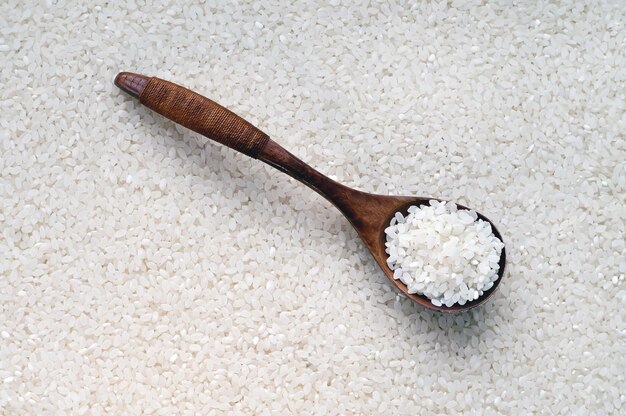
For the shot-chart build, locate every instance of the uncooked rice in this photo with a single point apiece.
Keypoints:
(446, 254)
(146, 270)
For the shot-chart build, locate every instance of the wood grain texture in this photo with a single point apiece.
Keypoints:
(369, 214)
(133, 84)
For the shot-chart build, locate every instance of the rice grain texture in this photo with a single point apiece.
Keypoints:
(145, 270)
(446, 254)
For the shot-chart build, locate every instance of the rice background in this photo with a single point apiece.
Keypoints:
(145, 270)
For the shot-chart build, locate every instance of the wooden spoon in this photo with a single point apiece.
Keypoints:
(369, 214)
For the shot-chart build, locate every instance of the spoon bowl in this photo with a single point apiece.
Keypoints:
(368, 213)
(381, 259)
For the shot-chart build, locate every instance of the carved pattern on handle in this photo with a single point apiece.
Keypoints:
(203, 116)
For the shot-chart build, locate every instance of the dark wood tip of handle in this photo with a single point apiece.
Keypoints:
(130, 83)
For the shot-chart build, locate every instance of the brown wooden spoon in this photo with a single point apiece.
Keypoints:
(369, 214)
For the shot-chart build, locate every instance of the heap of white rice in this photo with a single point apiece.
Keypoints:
(448, 255)
(147, 271)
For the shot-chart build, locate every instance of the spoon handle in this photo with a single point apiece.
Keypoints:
(210, 119)
(198, 113)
